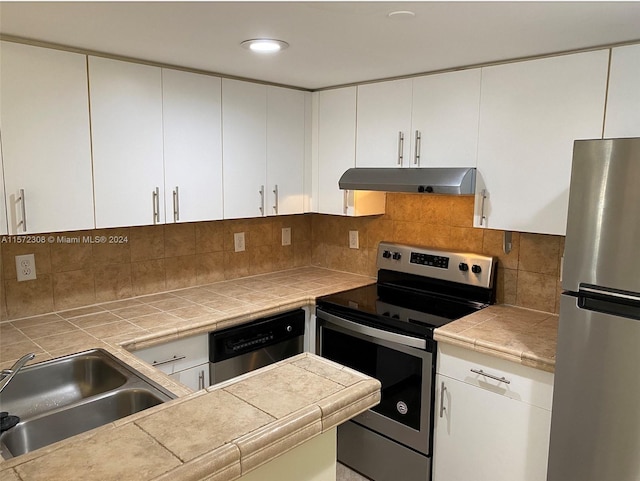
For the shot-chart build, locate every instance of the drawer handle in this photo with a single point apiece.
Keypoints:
(167, 361)
(482, 373)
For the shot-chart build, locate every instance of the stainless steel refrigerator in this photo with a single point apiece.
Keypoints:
(595, 421)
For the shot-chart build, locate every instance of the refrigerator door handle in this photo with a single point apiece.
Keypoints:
(588, 290)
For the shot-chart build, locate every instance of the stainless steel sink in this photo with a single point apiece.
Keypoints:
(63, 397)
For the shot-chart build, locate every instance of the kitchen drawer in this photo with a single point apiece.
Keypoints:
(177, 355)
(526, 384)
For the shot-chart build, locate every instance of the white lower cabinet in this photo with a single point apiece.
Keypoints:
(485, 428)
(185, 360)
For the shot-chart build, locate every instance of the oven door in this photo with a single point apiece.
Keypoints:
(403, 364)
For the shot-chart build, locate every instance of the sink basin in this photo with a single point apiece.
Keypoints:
(63, 397)
(41, 431)
(59, 382)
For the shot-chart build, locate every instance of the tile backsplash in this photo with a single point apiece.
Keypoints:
(145, 260)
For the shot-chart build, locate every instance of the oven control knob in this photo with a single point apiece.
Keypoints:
(396, 256)
(289, 328)
(476, 269)
(402, 407)
(386, 254)
(463, 267)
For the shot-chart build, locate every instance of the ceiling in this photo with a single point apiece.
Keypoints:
(332, 43)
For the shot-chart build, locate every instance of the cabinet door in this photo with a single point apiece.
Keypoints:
(44, 117)
(485, 436)
(530, 114)
(285, 151)
(244, 148)
(192, 133)
(384, 124)
(194, 378)
(623, 100)
(445, 116)
(126, 128)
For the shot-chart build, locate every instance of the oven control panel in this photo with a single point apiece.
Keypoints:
(463, 267)
(429, 260)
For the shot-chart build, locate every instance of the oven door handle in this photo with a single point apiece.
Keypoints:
(373, 332)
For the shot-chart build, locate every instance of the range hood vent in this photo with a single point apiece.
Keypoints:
(436, 180)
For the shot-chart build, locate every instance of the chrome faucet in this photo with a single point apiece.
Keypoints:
(6, 375)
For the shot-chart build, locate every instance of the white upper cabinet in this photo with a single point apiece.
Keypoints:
(336, 143)
(192, 131)
(530, 114)
(46, 149)
(384, 124)
(285, 151)
(445, 116)
(126, 119)
(623, 101)
(3, 210)
(244, 148)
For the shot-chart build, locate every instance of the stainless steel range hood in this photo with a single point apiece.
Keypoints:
(447, 180)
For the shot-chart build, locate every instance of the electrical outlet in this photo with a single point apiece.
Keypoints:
(26, 267)
(238, 241)
(353, 239)
(286, 236)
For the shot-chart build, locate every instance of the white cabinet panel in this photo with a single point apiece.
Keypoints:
(126, 118)
(384, 116)
(46, 149)
(192, 131)
(244, 148)
(336, 140)
(285, 151)
(3, 209)
(530, 114)
(483, 436)
(445, 113)
(623, 99)
(195, 378)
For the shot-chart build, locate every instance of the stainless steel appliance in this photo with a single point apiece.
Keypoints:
(385, 330)
(595, 421)
(243, 348)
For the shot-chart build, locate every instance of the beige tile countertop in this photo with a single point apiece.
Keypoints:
(521, 335)
(216, 434)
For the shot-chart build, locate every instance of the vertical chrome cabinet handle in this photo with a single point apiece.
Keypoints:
(176, 205)
(24, 211)
(261, 192)
(442, 408)
(156, 205)
(416, 154)
(201, 380)
(275, 191)
(400, 147)
(345, 201)
(483, 217)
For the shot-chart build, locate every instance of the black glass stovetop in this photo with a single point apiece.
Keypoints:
(397, 309)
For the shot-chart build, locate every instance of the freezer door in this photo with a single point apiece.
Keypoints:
(603, 225)
(595, 420)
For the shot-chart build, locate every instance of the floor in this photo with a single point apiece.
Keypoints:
(345, 474)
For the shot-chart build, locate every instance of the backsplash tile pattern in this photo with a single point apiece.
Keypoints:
(527, 277)
(173, 256)
(152, 259)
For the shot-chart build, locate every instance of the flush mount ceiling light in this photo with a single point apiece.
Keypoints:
(264, 45)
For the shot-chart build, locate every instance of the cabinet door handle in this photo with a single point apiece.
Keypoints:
(176, 205)
(155, 197)
(261, 192)
(400, 147)
(442, 408)
(416, 155)
(491, 376)
(23, 208)
(275, 191)
(345, 201)
(167, 361)
(483, 217)
(201, 380)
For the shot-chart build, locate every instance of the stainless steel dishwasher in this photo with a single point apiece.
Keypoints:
(250, 346)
